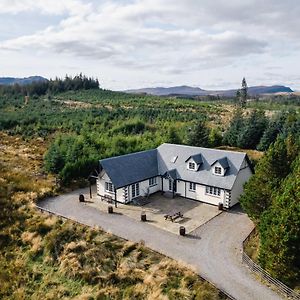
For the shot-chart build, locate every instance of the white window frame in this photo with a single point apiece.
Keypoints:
(218, 170)
(213, 191)
(192, 187)
(153, 181)
(192, 166)
(135, 190)
(109, 187)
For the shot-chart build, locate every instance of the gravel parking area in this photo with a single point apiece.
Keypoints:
(213, 250)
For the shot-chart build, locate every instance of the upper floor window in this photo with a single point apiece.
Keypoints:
(192, 166)
(152, 181)
(218, 170)
(109, 187)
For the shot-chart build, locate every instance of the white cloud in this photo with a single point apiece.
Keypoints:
(73, 7)
(167, 36)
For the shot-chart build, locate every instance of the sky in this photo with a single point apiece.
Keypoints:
(147, 43)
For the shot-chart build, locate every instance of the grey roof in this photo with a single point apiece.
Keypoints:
(223, 162)
(172, 174)
(130, 168)
(197, 158)
(204, 174)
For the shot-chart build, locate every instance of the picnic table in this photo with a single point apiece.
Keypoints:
(173, 216)
(106, 198)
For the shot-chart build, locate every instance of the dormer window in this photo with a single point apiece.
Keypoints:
(192, 166)
(218, 170)
(194, 162)
(220, 166)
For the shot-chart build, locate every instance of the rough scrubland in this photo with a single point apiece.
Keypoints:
(44, 257)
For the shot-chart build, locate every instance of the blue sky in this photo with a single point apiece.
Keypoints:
(145, 43)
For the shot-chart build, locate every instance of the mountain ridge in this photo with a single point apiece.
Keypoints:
(184, 90)
(21, 81)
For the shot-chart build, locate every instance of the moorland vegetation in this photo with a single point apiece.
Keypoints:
(70, 128)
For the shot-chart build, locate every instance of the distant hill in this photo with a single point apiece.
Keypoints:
(195, 91)
(21, 81)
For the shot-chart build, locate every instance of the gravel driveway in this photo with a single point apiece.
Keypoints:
(214, 249)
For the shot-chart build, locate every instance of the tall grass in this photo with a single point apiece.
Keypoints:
(43, 257)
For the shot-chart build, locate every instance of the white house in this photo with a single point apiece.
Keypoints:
(202, 174)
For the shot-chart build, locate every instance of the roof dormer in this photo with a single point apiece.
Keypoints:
(194, 162)
(220, 166)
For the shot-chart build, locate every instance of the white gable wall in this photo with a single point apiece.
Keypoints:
(238, 187)
(102, 178)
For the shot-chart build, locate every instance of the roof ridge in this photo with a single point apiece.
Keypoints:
(128, 154)
(206, 148)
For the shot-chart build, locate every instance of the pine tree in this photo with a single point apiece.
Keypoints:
(243, 93)
(273, 167)
(215, 137)
(280, 231)
(273, 129)
(173, 137)
(252, 131)
(236, 125)
(237, 97)
(198, 135)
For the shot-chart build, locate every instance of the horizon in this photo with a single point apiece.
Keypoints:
(165, 87)
(144, 44)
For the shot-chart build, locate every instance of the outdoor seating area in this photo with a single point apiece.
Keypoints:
(166, 213)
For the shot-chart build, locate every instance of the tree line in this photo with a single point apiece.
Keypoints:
(245, 131)
(49, 87)
(272, 199)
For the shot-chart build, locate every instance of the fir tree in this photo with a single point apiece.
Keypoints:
(252, 131)
(173, 137)
(198, 135)
(243, 93)
(280, 231)
(232, 133)
(273, 167)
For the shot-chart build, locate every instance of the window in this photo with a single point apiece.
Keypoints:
(210, 190)
(170, 185)
(218, 170)
(152, 181)
(173, 159)
(192, 186)
(109, 187)
(135, 190)
(191, 165)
